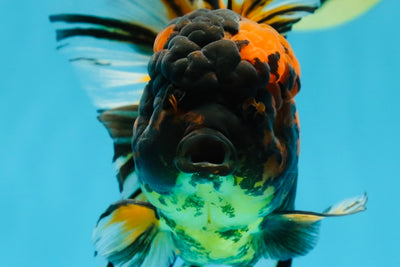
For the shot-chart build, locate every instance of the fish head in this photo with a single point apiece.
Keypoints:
(218, 109)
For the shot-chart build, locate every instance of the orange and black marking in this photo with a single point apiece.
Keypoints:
(258, 44)
(224, 65)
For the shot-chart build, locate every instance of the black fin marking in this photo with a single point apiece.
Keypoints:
(281, 15)
(214, 4)
(287, 263)
(255, 4)
(270, 16)
(106, 28)
(175, 7)
(229, 4)
(119, 123)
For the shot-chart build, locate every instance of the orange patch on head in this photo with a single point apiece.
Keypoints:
(174, 103)
(274, 167)
(291, 58)
(162, 38)
(264, 44)
(158, 122)
(194, 118)
(258, 105)
(265, 41)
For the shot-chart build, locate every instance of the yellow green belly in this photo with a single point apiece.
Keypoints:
(213, 219)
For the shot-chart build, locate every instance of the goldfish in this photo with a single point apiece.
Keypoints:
(207, 159)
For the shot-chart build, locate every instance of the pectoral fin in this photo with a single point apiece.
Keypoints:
(119, 124)
(288, 234)
(128, 234)
(347, 206)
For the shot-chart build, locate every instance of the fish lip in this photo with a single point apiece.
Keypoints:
(185, 164)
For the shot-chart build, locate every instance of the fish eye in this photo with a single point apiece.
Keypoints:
(173, 96)
(257, 110)
(178, 94)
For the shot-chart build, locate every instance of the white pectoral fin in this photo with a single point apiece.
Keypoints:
(333, 13)
(287, 234)
(348, 206)
(127, 234)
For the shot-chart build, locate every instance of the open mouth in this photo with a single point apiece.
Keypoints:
(206, 151)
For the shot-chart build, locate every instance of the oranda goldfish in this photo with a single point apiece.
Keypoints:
(207, 160)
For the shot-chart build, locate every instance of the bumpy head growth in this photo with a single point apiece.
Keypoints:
(208, 51)
(213, 69)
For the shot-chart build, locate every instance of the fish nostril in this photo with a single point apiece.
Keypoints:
(206, 151)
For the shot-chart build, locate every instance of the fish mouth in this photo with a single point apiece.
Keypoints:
(206, 151)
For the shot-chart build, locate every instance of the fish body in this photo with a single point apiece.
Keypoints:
(207, 162)
(212, 163)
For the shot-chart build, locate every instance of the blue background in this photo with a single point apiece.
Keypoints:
(56, 175)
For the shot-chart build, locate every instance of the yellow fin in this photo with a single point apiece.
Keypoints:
(333, 13)
(128, 234)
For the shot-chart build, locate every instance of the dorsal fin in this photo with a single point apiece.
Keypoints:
(111, 49)
(333, 13)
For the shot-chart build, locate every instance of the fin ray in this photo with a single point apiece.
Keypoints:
(287, 234)
(128, 234)
(334, 13)
(280, 14)
(283, 238)
(348, 206)
(112, 74)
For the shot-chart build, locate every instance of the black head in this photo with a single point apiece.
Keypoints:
(206, 110)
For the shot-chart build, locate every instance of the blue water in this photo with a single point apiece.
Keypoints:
(56, 175)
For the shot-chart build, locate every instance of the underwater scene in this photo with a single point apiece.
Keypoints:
(236, 160)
